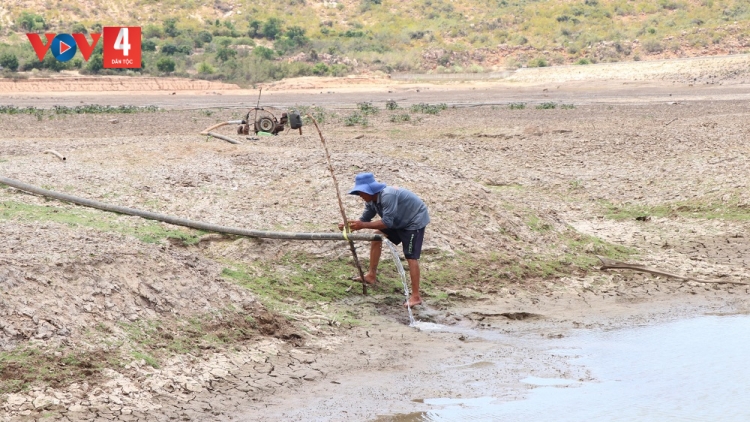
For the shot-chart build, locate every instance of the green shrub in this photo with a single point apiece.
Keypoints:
(204, 36)
(292, 39)
(244, 41)
(9, 61)
(320, 114)
(546, 106)
(264, 52)
(205, 69)
(355, 118)
(79, 28)
(272, 28)
(583, 62)
(517, 106)
(51, 63)
(95, 63)
(320, 69)
(184, 49)
(349, 33)
(223, 41)
(653, 46)
(84, 109)
(224, 54)
(428, 108)
(148, 45)
(538, 62)
(168, 49)
(170, 27)
(254, 28)
(99, 109)
(367, 108)
(165, 64)
(403, 117)
(31, 22)
(151, 31)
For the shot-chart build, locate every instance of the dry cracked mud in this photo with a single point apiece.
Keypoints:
(129, 319)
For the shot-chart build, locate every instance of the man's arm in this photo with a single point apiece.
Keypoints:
(364, 221)
(390, 217)
(359, 225)
(368, 213)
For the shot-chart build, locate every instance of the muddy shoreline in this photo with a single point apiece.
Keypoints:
(389, 370)
(522, 201)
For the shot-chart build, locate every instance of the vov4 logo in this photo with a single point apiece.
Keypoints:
(121, 49)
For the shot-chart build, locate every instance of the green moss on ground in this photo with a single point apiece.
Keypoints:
(144, 230)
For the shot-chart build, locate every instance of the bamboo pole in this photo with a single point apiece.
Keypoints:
(341, 206)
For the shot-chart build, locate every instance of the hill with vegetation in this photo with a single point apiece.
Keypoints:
(251, 41)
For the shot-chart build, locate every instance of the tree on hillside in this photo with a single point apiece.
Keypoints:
(95, 63)
(9, 61)
(170, 27)
(225, 53)
(165, 64)
(272, 28)
(263, 52)
(79, 28)
(148, 45)
(293, 38)
(205, 37)
(51, 63)
(168, 49)
(254, 28)
(31, 22)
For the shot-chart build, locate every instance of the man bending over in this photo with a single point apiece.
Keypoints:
(403, 218)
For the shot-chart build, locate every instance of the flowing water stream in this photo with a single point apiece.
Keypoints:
(402, 273)
(690, 370)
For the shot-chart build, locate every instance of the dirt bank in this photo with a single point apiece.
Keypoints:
(132, 320)
(85, 84)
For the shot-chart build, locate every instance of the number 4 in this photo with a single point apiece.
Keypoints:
(121, 43)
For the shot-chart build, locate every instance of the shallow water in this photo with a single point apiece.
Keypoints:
(690, 370)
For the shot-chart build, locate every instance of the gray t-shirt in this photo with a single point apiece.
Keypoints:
(398, 208)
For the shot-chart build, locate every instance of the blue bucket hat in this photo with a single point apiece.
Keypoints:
(365, 182)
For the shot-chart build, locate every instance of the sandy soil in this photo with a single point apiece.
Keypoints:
(73, 83)
(504, 187)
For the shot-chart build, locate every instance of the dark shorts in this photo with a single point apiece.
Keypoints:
(412, 240)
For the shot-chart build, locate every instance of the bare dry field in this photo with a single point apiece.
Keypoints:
(110, 317)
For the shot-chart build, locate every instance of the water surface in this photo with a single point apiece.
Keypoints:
(690, 370)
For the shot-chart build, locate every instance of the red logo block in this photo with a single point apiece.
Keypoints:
(122, 47)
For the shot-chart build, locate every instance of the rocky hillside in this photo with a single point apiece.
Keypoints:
(262, 40)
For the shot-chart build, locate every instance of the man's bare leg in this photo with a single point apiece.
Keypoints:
(376, 247)
(415, 298)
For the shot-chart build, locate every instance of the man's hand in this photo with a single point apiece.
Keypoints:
(353, 225)
(356, 225)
